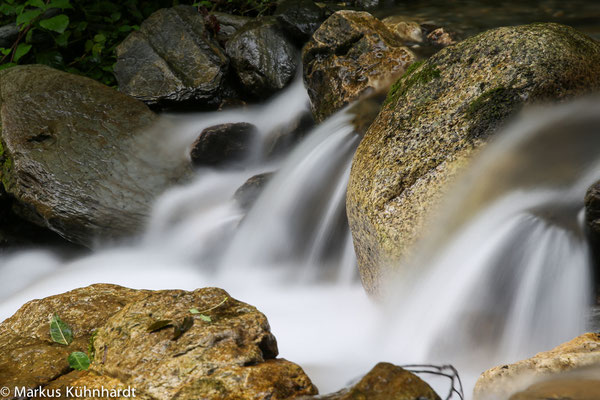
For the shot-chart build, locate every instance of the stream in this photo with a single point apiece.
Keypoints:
(504, 272)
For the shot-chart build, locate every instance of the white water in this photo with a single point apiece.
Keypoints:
(494, 287)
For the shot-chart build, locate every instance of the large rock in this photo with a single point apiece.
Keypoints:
(501, 381)
(75, 155)
(439, 114)
(173, 59)
(29, 358)
(299, 19)
(227, 351)
(224, 144)
(351, 54)
(566, 389)
(592, 219)
(385, 382)
(262, 57)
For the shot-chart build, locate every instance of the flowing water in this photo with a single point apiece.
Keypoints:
(507, 274)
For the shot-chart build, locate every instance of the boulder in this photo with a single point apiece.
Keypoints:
(229, 25)
(29, 358)
(439, 114)
(566, 389)
(592, 221)
(173, 59)
(385, 382)
(405, 29)
(223, 349)
(299, 19)
(247, 194)
(351, 54)
(263, 59)
(76, 155)
(223, 144)
(500, 382)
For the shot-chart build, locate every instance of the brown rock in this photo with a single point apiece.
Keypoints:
(351, 54)
(501, 381)
(225, 351)
(405, 29)
(29, 357)
(385, 382)
(564, 389)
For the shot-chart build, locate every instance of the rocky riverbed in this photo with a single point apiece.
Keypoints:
(84, 166)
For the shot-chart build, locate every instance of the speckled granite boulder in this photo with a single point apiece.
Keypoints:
(226, 350)
(439, 114)
(76, 155)
(351, 54)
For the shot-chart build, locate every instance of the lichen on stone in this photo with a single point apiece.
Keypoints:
(417, 73)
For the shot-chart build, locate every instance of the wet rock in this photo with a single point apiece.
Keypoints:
(76, 155)
(284, 137)
(247, 194)
(223, 144)
(351, 54)
(8, 35)
(299, 19)
(173, 59)
(405, 29)
(566, 389)
(441, 37)
(230, 356)
(262, 58)
(439, 114)
(385, 382)
(29, 358)
(229, 25)
(501, 381)
(592, 220)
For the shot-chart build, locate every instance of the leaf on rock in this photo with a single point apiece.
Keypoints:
(79, 361)
(205, 318)
(159, 325)
(182, 328)
(60, 332)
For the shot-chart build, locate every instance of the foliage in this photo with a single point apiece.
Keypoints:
(60, 332)
(81, 36)
(79, 361)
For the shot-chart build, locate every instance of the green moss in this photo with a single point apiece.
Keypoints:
(417, 73)
(91, 348)
(490, 108)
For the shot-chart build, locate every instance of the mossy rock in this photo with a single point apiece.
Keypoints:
(78, 157)
(439, 114)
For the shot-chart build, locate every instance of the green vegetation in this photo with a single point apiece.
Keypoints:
(418, 72)
(61, 333)
(81, 36)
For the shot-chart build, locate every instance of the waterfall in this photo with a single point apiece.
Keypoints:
(503, 274)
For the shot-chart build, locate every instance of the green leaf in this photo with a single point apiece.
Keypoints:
(22, 49)
(159, 325)
(56, 24)
(6, 9)
(4, 51)
(62, 40)
(60, 332)
(62, 4)
(36, 3)
(79, 361)
(194, 311)
(182, 328)
(26, 17)
(7, 65)
(99, 38)
(205, 318)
